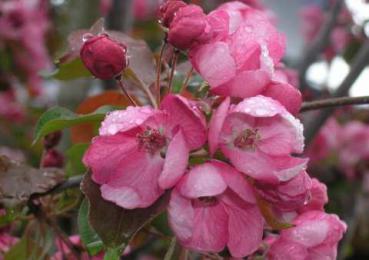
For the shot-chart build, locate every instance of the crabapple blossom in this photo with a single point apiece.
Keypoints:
(319, 197)
(127, 158)
(289, 195)
(104, 57)
(167, 11)
(24, 25)
(212, 207)
(315, 236)
(258, 136)
(239, 60)
(189, 28)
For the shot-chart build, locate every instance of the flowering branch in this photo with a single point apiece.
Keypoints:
(320, 41)
(334, 102)
(358, 65)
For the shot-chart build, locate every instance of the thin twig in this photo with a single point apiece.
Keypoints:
(334, 102)
(359, 63)
(158, 72)
(121, 85)
(320, 42)
(173, 68)
(187, 80)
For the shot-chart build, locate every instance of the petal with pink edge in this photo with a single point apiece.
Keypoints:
(176, 161)
(106, 153)
(124, 120)
(214, 63)
(187, 117)
(181, 216)
(210, 232)
(235, 181)
(216, 124)
(289, 96)
(134, 183)
(204, 180)
(244, 84)
(245, 225)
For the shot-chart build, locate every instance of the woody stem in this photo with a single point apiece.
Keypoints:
(173, 68)
(158, 71)
(122, 87)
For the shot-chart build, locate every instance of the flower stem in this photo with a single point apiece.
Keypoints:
(173, 68)
(334, 102)
(121, 85)
(158, 71)
(187, 80)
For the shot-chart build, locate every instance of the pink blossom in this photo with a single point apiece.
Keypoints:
(213, 206)
(65, 253)
(6, 242)
(168, 10)
(10, 108)
(126, 159)
(319, 197)
(314, 236)
(289, 195)
(312, 18)
(24, 25)
(340, 39)
(189, 27)
(239, 61)
(258, 136)
(326, 141)
(353, 147)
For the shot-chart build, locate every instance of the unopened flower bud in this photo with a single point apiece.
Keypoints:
(52, 158)
(189, 27)
(104, 57)
(168, 10)
(51, 140)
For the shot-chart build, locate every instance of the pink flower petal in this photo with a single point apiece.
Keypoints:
(210, 228)
(112, 149)
(202, 181)
(214, 62)
(245, 226)
(134, 182)
(184, 114)
(289, 96)
(176, 161)
(216, 124)
(181, 216)
(124, 120)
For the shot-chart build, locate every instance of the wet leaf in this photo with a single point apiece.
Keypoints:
(88, 236)
(58, 118)
(19, 181)
(73, 69)
(115, 225)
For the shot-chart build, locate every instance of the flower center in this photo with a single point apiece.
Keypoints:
(247, 139)
(207, 201)
(151, 140)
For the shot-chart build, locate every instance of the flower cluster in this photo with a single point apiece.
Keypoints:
(312, 20)
(349, 143)
(249, 145)
(24, 25)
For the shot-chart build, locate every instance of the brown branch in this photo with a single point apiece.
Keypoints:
(334, 102)
(359, 63)
(320, 42)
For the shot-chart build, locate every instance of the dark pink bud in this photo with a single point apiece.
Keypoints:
(189, 27)
(52, 139)
(168, 10)
(104, 57)
(52, 158)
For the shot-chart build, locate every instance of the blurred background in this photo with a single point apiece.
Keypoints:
(34, 38)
